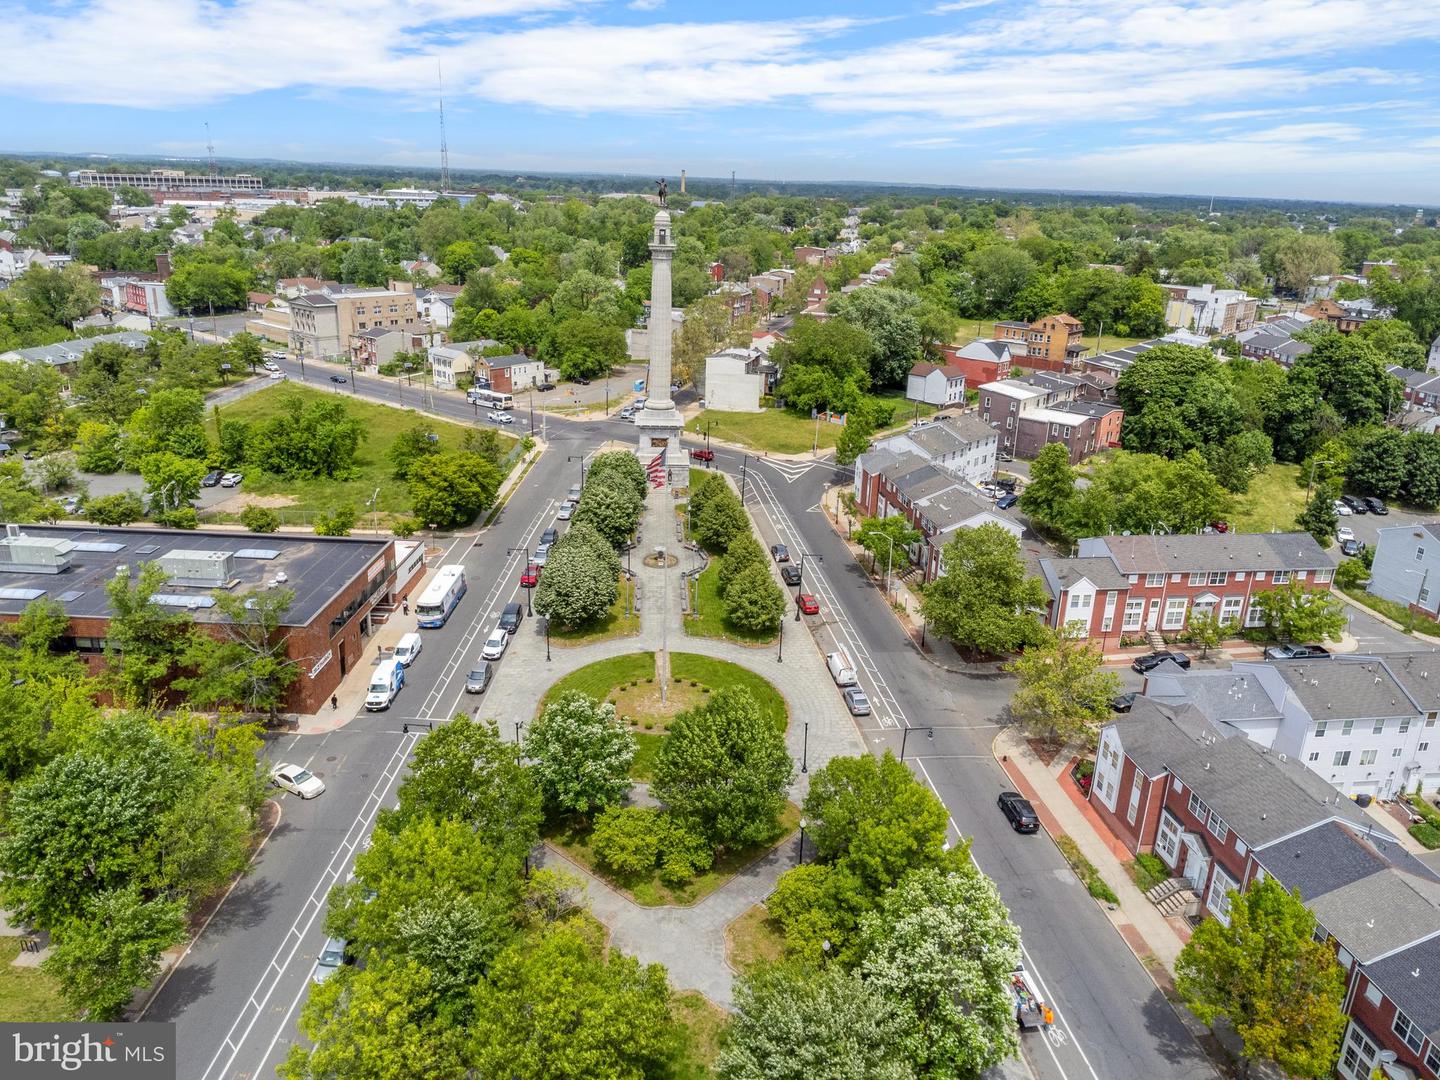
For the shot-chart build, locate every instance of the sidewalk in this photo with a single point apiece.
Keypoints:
(1063, 811)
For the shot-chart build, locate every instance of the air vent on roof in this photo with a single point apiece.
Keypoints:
(176, 600)
(257, 553)
(73, 594)
(147, 549)
(103, 547)
(21, 594)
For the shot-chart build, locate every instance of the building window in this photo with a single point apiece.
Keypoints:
(1198, 810)
(1198, 578)
(1411, 1035)
(1422, 747)
(1342, 757)
(1134, 612)
(1219, 577)
(1367, 757)
(1314, 756)
(1358, 1059)
(1259, 575)
(1175, 613)
(1379, 728)
(1395, 752)
(1134, 807)
(1320, 726)
(1218, 828)
(1282, 577)
(1404, 724)
(1218, 899)
(1323, 576)
(1154, 581)
(1419, 554)
(1230, 609)
(1432, 1058)
(1425, 594)
(1347, 727)
(1167, 840)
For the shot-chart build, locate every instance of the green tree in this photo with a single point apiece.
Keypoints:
(626, 839)
(1299, 258)
(623, 466)
(97, 447)
(753, 601)
(891, 318)
(247, 665)
(101, 957)
(578, 586)
(1206, 630)
(1049, 497)
(1318, 518)
(984, 601)
(581, 753)
(1295, 613)
(451, 488)
(337, 522)
(172, 481)
(246, 350)
(410, 446)
(381, 1021)
(795, 1022)
(854, 439)
(144, 638)
(719, 518)
(1000, 273)
(1064, 690)
(1263, 970)
(610, 506)
(724, 769)
(585, 347)
(118, 509)
(883, 537)
(310, 436)
(563, 1008)
(59, 296)
(203, 285)
(364, 263)
(1176, 398)
(743, 552)
(1240, 458)
(260, 519)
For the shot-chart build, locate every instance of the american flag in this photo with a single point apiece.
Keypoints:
(656, 470)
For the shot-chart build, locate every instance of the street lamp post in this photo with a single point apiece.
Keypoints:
(547, 638)
(780, 655)
(805, 749)
(744, 461)
(929, 734)
(518, 725)
(800, 858)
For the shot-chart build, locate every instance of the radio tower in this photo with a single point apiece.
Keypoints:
(210, 147)
(444, 149)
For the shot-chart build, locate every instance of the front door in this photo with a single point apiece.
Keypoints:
(1152, 619)
(1197, 865)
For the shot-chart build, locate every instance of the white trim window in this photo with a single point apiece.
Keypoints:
(1167, 840)
(1218, 577)
(1134, 808)
(1323, 577)
(1134, 612)
(1409, 1034)
(1217, 827)
(1175, 613)
(1357, 1057)
(1254, 615)
(1154, 581)
(1198, 810)
(1218, 897)
(1197, 577)
(1281, 577)
(1230, 609)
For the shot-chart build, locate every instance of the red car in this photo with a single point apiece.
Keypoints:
(1220, 526)
(530, 576)
(808, 604)
(702, 455)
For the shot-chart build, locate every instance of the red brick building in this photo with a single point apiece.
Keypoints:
(980, 361)
(1132, 585)
(1083, 427)
(1049, 344)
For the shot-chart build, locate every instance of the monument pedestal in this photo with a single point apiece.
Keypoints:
(658, 433)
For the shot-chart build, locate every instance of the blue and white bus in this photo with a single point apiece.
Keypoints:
(441, 596)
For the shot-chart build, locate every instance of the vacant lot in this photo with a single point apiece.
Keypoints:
(1273, 501)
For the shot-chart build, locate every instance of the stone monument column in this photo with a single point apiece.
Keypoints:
(659, 423)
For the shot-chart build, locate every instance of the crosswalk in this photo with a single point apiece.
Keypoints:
(791, 471)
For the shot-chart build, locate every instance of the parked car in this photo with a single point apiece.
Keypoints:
(566, 511)
(1357, 505)
(1376, 506)
(1006, 501)
(512, 617)
(1296, 652)
(550, 535)
(333, 957)
(856, 701)
(790, 574)
(1143, 664)
(582, 380)
(530, 576)
(541, 556)
(1342, 508)
(407, 649)
(495, 644)
(275, 373)
(1123, 702)
(71, 503)
(1344, 532)
(498, 417)
(702, 455)
(1005, 483)
(780, 552)
(479, 677)
(231, 479)
(808, 604)
(297, 780)
(1220, 526)
(211, 478)
(1352, 547)
(337, 379)
(545, 387)
(1019, 812)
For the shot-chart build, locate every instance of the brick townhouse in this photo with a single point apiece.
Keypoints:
(980, 361)
(1082, 427)
(1131, 585)
(1049, 344)
(1222, 813)
(1002, 402)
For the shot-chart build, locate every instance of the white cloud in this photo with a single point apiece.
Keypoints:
(645, 5)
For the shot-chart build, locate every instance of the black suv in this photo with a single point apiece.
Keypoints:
(1357, 506)
(211, 478)
(1143, 664)
(790, 573)
(1018, 810)
(510, 618)
(550, 535)
(1375, 506)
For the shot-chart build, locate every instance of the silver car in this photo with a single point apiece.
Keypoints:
(856, 701)
(479, 677)
(332, 959)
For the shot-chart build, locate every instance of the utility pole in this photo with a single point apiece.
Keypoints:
(210, 147)
(444, 148)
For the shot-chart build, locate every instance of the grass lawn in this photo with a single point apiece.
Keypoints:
(776, 430)
(383, 424)
(707, 612)
(650, 891)
(703, 1021)
(598, 679)
(28, 995)
(647, 749)
(717, 674)
(1109, 343)
(1273, 501)
(1408, 620)
(753, 938)
(905, 411)
(614, 624)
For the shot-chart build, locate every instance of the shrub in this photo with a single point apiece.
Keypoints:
(1100, 891)
(1149, 870)
(1427, 834)
(627, 839)
(683, 853)
(405, 527)
(260, 519)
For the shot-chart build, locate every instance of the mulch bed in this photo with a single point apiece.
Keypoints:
(1045, 750)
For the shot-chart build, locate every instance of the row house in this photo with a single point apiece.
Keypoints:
(1422, 388)
(1159, 582)
(456, 358)
(960, 444)
(987, 360)
(1223, 813)
(1206, 309)
(1083, 427)
(932, 500)
(1274, 340)
(1406, 567)
(1004, 401)
(1053, 343)
(1346, 316)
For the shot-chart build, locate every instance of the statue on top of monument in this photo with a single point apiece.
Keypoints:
(664, 191)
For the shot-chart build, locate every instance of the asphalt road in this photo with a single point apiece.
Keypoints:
(1111, 1021)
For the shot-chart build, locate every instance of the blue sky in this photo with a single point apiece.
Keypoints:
(1287, 98)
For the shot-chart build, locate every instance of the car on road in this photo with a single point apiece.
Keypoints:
(1007, 501)
(1018, 810)
(409, 647)
(511, 617)
(627, 416)
(545, 387)
(479, 677)
(1296, 652)
(212, 478)
(276, 373)
(780, 552)
(856, 701)
(270, 365)
(332, 958)
(1376, 506)
(1143, 664)
(498, 417)
(550, 535)
(808, 604)
(582, 380)
(297, 780)
(530, 576)
(790, 574)
(566, 511)
(702, 455)
(1342, 508)
(337, 379)
(1123, 703)
(71, 503)
(541, 556)
(1352, 547)
(231, 479)
(1357, 505)
(1344, 532)
(495, 644)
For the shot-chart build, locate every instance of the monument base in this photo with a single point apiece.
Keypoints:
(658, 436)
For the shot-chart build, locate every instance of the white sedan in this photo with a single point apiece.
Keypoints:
(495, 644)
(231, 479)
(1344, 532)
(297, 780)
(1342, 510)
(498, 417)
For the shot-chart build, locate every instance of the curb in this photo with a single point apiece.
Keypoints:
(1358, 606)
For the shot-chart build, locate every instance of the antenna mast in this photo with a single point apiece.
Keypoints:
(444, 148)
(210, 147)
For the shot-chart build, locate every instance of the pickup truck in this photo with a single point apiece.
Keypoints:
(702, 455)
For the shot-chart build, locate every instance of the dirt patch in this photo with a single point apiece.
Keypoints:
(236, 503)
(1045, 750)
(642, 703)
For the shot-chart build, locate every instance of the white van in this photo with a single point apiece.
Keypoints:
(408, 649)
(841, 669)
(384, 685)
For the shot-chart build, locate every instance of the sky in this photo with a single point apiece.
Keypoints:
(1313, 99)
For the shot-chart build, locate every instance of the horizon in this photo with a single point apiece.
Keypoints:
(1193, 98)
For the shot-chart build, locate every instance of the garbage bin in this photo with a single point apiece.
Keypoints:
(1363, 799)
